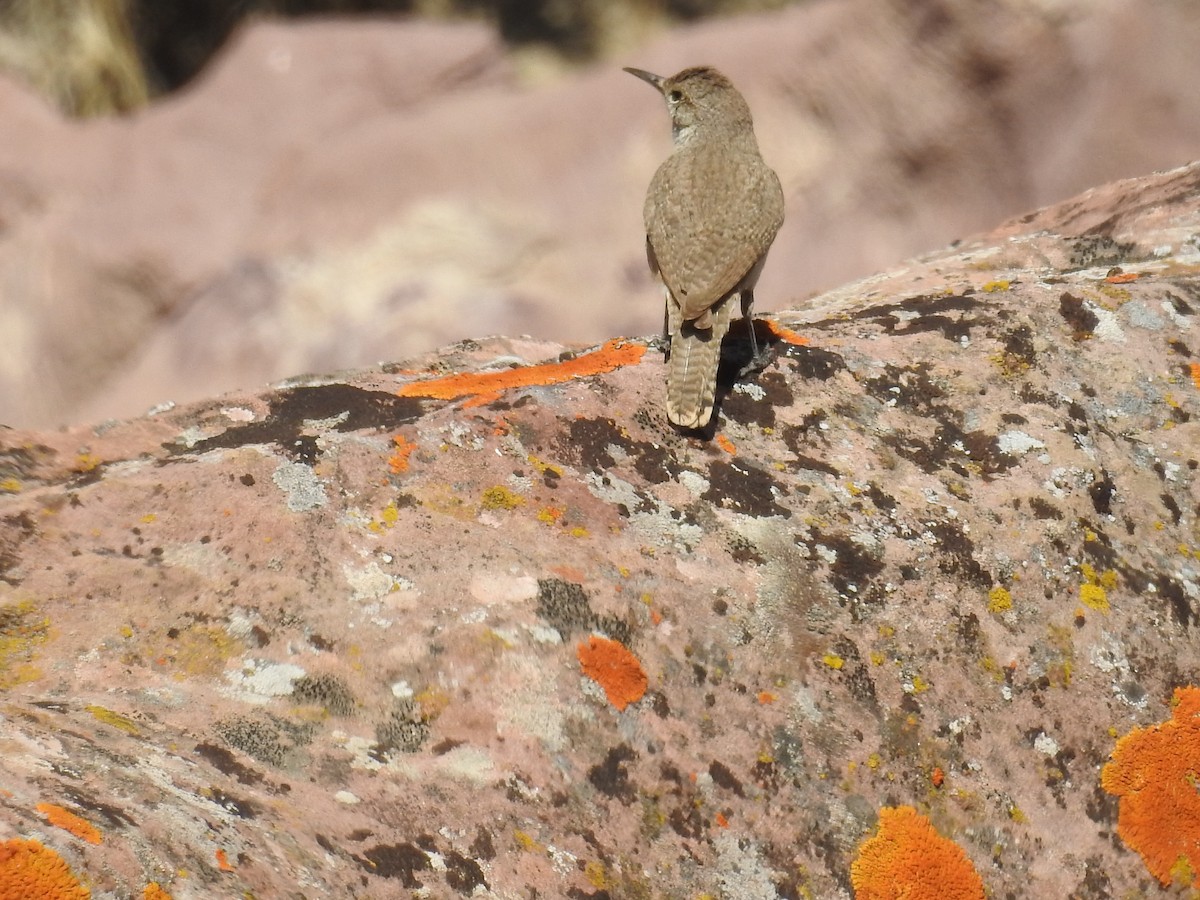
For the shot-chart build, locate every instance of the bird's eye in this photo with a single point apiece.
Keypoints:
(675, 96)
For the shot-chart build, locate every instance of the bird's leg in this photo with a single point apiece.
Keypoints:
(663, 343)
(759, 360)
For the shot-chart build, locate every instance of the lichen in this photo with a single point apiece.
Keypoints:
(22, 630)
(27, 869)
(611, 665)
(908, 860)
(500, 497)
(398, 461)
(1154, 771)
(324, 690)
(484, 387)
(999, 600)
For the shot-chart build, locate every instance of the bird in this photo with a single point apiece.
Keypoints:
(712, 211)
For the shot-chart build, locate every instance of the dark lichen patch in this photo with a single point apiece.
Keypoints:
(1044, 509)
(744, 407)
(1101, 490)
(1081, 320)
(816, 362)
(463, 874)
(1180, 607)
(324, 690)
(240, 807)
(611, 777)
(1019, 353)
(566, 607)
(910, 387)
(854, 569)
(14, 531)
(799, 438)
(723, 776)
(227, 764)
(1172, 507)
(348, 408)
(945, 313)
(1095, 884)
(883, 501)
(957, 557)
(742, 550)
(1096, 247)
(269, 740)
(587, 443)
(745, 488)
(401, 861)
(404, 730)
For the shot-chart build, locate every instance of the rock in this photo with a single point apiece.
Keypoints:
(331, 638)
(334, 193)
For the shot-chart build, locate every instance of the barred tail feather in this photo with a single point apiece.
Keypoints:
(692, 369)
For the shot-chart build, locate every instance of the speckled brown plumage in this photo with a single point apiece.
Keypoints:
(712, 210)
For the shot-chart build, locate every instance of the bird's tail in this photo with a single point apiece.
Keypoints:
(692, 368)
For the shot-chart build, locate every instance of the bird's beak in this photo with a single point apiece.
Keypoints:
(648, 77)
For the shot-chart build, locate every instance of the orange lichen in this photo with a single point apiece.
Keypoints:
(27, 869)
(937, 777)
(1123, 277)
(398, 461)
(484, 387)
(68, 821)
(611, 665)
(786, 334)
(154, 891)
(908, 859)
(223, 861)
(727, 445)
(1194, 368)
(1154, 771)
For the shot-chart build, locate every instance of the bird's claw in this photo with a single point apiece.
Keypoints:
(758, 362)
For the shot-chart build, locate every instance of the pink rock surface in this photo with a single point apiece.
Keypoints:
(321, 641)
(335, 193)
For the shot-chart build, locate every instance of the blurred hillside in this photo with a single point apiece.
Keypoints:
(334, 191)
(99, 56)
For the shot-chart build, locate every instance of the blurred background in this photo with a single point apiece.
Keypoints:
(201, 195)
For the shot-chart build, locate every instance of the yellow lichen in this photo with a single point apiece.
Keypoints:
(29, 870)
(115, 719)
(1094, 597)
(833, 660)
(908, 860)
(1154, 771)
(22, 630)
(500, 497)
(999, 600)
(994, 287)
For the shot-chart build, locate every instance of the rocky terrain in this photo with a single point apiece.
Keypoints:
(332, 193)
(923, 612)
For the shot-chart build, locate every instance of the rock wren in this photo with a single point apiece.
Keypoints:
(711, 213)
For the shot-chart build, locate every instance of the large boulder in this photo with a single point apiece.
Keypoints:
(332, 193)
(481, 625)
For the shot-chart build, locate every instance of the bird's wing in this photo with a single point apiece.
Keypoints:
(709, 218)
